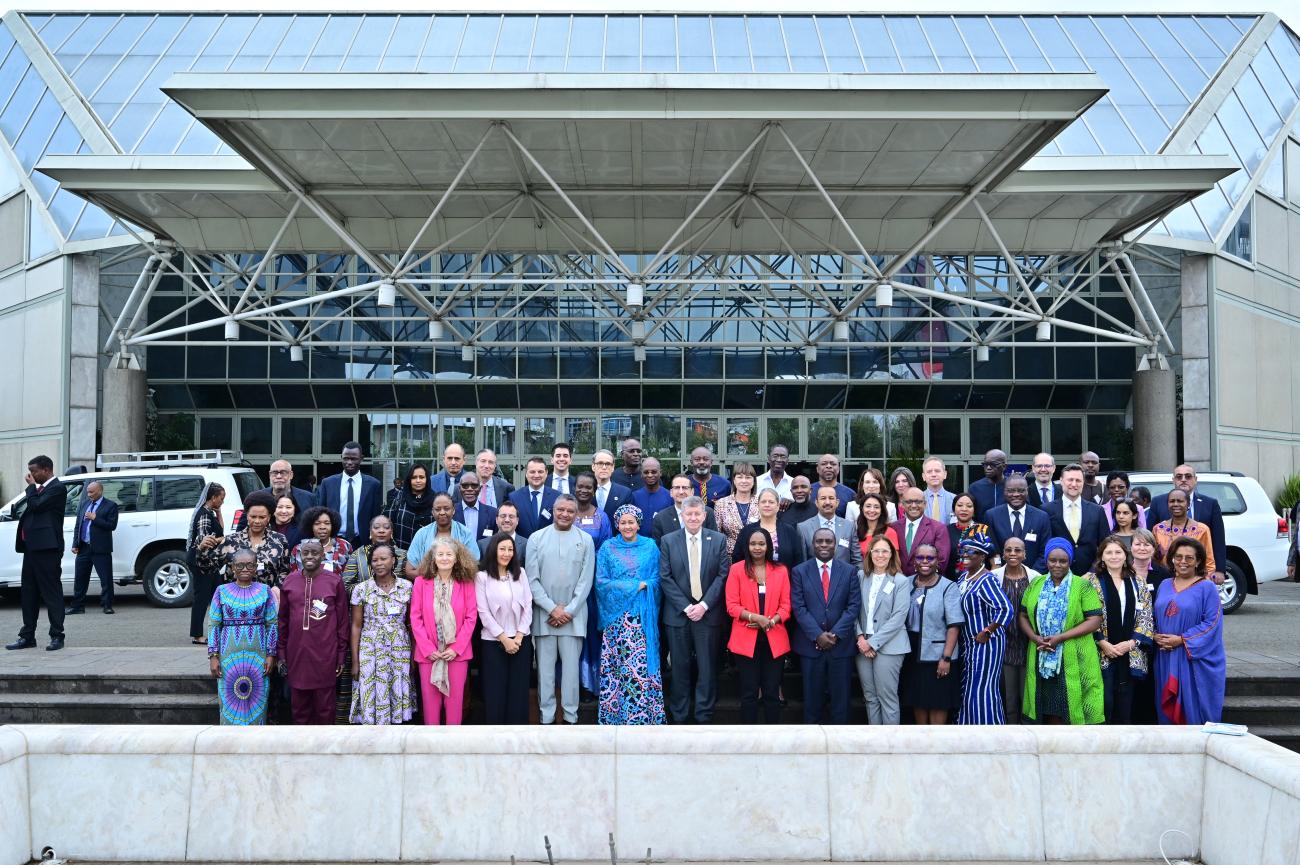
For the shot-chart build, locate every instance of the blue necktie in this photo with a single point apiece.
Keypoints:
(537, 505)
(85, 532)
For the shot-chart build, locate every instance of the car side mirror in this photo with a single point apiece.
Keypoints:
(5, 515)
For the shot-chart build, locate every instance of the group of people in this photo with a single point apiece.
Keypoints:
(1038, 598)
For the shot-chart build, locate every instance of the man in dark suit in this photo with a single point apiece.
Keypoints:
(493, 490)
(1018, 519)
(669, 520)
(1043, 490)
(507, 521)
(914, 528)
(987, 491)
(282, 485)
(480, 519)
(453, 466)
(354, 495)
(560, 478)
(610, 496)
(693, 567)
(40, 540)
(825, 598)
(1201, 508)
(92, 544)
(847, 548)
(392, 494)
(1078, 520)
(535, 501)
(800, 505)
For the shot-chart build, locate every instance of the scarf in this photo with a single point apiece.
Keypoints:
(420, 504)
(444, 625)
(1053, 603)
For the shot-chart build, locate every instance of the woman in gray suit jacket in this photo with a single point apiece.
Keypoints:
(882, 635)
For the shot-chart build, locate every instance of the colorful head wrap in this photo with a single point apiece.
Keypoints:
(627, 509)
(977, 542)
(1059, 544)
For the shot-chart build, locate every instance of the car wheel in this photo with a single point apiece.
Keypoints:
(1233, 591)
(168, 581)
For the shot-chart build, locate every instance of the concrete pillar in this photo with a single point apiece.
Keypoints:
(125, 393)
(1155, 416)
(1198, 428)
(83, 358)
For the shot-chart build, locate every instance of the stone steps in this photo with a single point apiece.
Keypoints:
(1288, 736)
(45, 708)
(136, 683)
(1261, 711)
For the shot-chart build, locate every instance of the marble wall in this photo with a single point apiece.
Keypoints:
(177, 794)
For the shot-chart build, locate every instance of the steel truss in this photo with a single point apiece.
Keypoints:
(590, 295)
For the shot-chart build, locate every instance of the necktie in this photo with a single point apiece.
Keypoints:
(1045, 494)
(911, 533)
(826, 582)
(600, 497)
(934, 506)
(1016, 527)
(1073, 521)
(1191, 508)
(85, 531)
(827, 524)
(697, 589)
(537, 504)
(350, 522)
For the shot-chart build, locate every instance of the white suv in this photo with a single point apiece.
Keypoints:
(1256, 535)
(156, 495)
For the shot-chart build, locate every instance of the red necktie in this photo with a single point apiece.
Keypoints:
(826, 582)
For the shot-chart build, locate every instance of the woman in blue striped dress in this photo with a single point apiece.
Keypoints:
(984, 639)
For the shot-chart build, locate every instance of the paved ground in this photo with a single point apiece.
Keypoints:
(1263, 636)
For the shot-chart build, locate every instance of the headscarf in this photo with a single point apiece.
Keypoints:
(1059, 544)
(420, 504)
(977, 542)
(627, 509)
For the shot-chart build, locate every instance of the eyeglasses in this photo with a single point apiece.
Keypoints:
(243, 566)
(924, 558)
(281, 472)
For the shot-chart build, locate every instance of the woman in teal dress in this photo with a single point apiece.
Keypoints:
(627, 596)
(242, 642)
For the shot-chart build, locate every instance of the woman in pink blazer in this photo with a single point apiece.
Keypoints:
(758, 602)
(444, 611)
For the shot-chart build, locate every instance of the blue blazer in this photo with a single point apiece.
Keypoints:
(1207, 511)
(813, 614)
(1093, 529)
(369, 503)
(442, 482)
(986, 496)
(528, 521)
(618, 496)
(487, 519)
(1035, 522)
(101, 529)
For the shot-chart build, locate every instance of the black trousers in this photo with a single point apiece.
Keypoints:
(42, 583)
(761, 673)
(103, 565)
(1117, 684)
(821, 674)
(698, 641)
(505, 681)
(205, 586)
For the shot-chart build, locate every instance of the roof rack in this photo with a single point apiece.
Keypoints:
(167, 459)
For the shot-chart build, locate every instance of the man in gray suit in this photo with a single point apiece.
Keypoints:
(508, 522)
(847, 549)
(693, 567)
(561, 568)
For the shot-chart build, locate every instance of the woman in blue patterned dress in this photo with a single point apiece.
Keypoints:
(381, 643)
(627, 595)
(988, 614)
(242, 641)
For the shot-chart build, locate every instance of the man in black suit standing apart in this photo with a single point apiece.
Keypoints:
(356, 496)
(1202, 508)
(92, 543)
(693, 569)
(1078, 520)
(825, 598)
(40, 540)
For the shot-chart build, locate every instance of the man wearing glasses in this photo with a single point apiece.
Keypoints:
(610, 495)
(480, 519)
(1201, 508)
(915, 529)
(987, 491)
(282, 485)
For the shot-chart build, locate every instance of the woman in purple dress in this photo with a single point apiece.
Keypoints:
(1191, 668)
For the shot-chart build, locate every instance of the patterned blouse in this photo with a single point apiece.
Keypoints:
(1017, 642)
(336, 557)
(1166, 532)
(272, 556)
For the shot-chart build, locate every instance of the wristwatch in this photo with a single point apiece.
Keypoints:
(947, 659)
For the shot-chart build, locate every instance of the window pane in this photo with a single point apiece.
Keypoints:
(701, 431)
(985, 434)
(586, 43)
(948, 44)
(742, 436)
(767, 44)
(1067, 435)
(255, 435)
(802, 43)
(1016, 39)
(905, 440)
(461, 431)
(550, 44)
(867, 437)
(658, 44)
(215, 432)
(695, 43)
(369, 43)
(731, 45)
(296, 435)
(1026, 435)
(1052, 39)
(539, 435)
(945, 435)
(823, 436)
(783, 431)
(837, 39)
(580, 433)
(479, 43)
(660, 434)
(622, 43)
(909, 41)
(173, 493)
(1259, 108)
(334, 433)
(443, 42)
(499, 435)
(403, 52)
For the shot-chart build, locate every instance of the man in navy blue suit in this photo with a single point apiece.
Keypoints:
(92, 543)
(1202, 508)
(1078, 520)
(356, 496)
(987, 491)
(480, 519)
(825, 600)
(1018, 519)
(609, 495)
(535, 500)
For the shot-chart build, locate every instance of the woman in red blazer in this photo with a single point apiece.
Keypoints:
(758, 601)
(444, 611)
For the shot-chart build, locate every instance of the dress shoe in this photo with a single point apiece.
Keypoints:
(73, 611)
(20, 643)
(108, 611)
(56, 643)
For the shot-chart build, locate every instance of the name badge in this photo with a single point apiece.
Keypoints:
(546, 513)
(487, 533)
(1031, 536)
(844, 542)
(394, 608)
(888, 589)
(318, 605)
